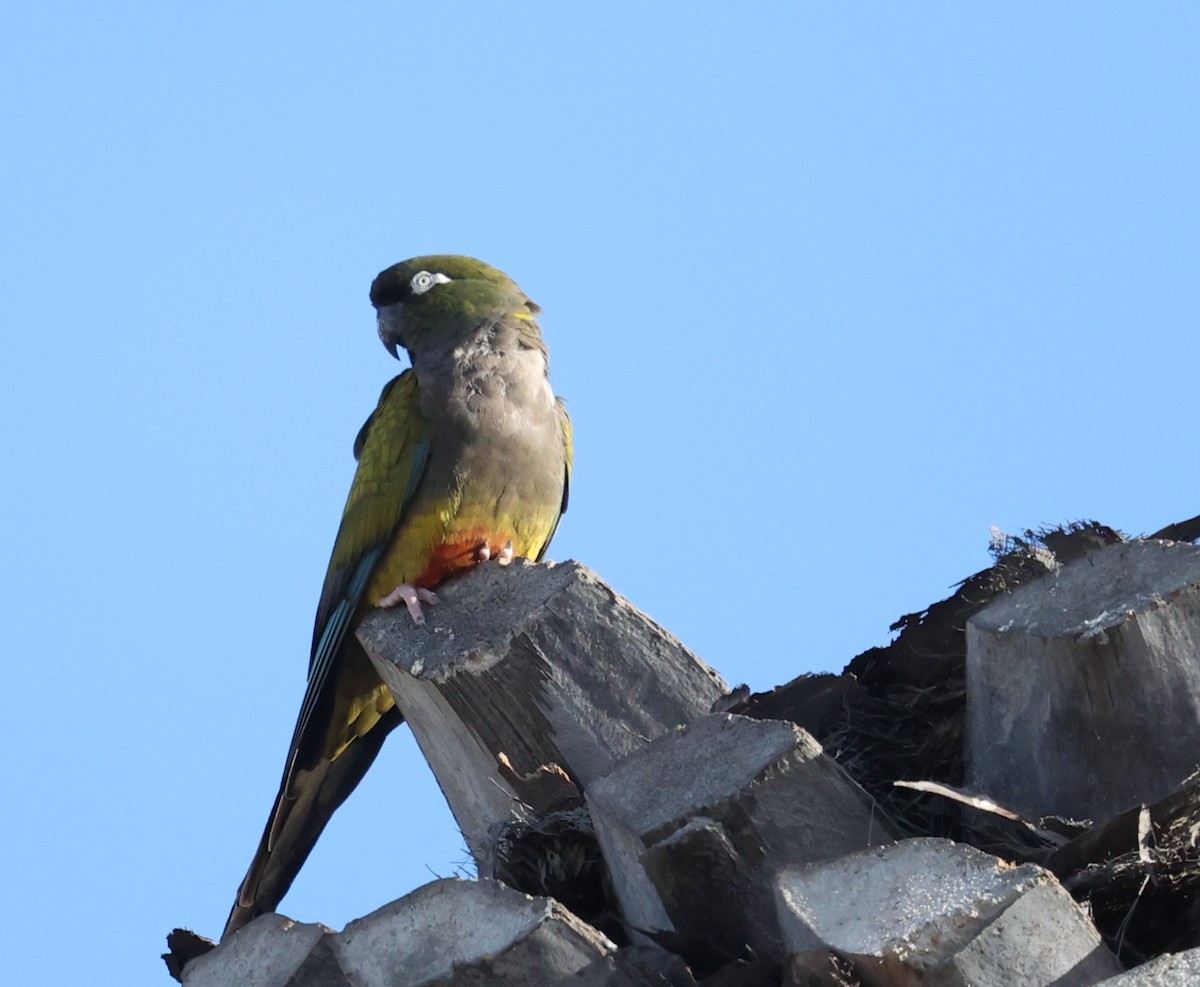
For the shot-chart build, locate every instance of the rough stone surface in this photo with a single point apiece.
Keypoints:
(536, 685)
(467, 932)
(1173, 970)
(450, 932)
(729, 796)
(1083, 686)
(543, 664)
(930, 911)
(265, 953)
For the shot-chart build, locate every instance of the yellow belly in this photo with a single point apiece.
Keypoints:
(432, 546)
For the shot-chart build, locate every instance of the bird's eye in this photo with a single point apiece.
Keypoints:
(422, 281)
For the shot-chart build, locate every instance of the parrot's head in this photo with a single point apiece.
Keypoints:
(437, 300)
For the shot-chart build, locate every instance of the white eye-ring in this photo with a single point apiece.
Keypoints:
(422, 281)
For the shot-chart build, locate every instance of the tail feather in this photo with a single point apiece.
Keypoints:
(298, 819)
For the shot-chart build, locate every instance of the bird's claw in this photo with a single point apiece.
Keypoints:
(484, 552)
(412, 597)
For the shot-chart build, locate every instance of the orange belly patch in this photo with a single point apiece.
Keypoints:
(465, 551)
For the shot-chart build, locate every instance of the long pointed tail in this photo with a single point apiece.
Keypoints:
(297, 820)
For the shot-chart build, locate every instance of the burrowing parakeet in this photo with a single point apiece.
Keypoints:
(466, 457)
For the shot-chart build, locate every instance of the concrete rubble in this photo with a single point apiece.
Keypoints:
(929, 911)
(652, 829)
(1084, 692)
(449, 932)
(696, 824)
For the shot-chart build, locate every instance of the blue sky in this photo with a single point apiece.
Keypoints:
(830, 289)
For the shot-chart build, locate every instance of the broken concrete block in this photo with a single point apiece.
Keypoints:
(1083, 688)
(525, 674)
(456, 932)
(1171, 970)
(695, 825)
(265, 953)
(934, 912)
(452, 933)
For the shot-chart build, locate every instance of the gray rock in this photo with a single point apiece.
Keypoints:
(527, 673)
(265, 953)
(450, 932)
(1084, 685)
(933, 912)
(696, 824)
(1171, 970)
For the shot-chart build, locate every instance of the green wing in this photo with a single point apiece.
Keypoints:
(392, 448)
(568, 435)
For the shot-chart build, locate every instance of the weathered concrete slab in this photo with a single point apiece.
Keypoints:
(933, 912)
(1083, 687)
(1172, 970)
(544, 665)
(266, 953)
(696, 824)
(452, 933)
(455, 932)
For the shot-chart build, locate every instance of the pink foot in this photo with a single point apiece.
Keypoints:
(484, 552)
(412, 597)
